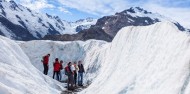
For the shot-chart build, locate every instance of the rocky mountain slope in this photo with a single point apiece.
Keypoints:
(20, 23)
(108, 26)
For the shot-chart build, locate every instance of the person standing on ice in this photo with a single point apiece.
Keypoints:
(69, 73)
(61, 68)
(75, 72)
(45, 62)
(80, 73)
(56, 69)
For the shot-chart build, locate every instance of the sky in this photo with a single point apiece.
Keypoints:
(72, 10)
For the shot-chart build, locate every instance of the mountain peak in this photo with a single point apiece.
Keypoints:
(134, 10)
(56, 17)
(49, 16)
(13, 4)
(88, 19)
(138, 9)
(80, 20)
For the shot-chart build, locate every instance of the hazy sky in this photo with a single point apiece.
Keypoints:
(72, 10)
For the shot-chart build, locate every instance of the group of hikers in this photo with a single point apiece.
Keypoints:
(71, 71)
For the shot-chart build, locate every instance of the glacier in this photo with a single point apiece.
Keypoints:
(150, 59)
(145, 60)
(72, 51)
(19, 76)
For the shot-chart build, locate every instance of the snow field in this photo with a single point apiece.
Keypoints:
(19, 76)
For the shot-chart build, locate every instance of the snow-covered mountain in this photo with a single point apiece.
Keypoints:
(20, 23)
(19, 76)
(107, 27)
(82, 24)
(135, 16)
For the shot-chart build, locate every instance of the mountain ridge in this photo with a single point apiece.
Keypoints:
(110, 25)
(16, 23)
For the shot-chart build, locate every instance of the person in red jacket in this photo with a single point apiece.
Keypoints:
(45, 62)
(56, 69)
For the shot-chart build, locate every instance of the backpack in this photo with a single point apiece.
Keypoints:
(61, 67)
(67, 70)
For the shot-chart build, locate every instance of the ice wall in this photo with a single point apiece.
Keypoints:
(88, 52)
(151, 59)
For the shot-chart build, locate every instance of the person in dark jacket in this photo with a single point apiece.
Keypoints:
(80, 73)
(45, 62)
(56, 69)
(69, 73)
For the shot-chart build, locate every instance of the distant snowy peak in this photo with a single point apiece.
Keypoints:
(107, 27)
(87, 20)
(20, 23)
(140, 12)
(134, 16)
(137, 12)
(82, 24)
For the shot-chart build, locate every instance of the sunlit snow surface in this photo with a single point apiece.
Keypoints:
(19, 76)
(145, 60)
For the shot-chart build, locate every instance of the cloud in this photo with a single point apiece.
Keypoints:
(62, 9)
(36, 5)
(171, 3)
(96, 7)
(39, 5)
